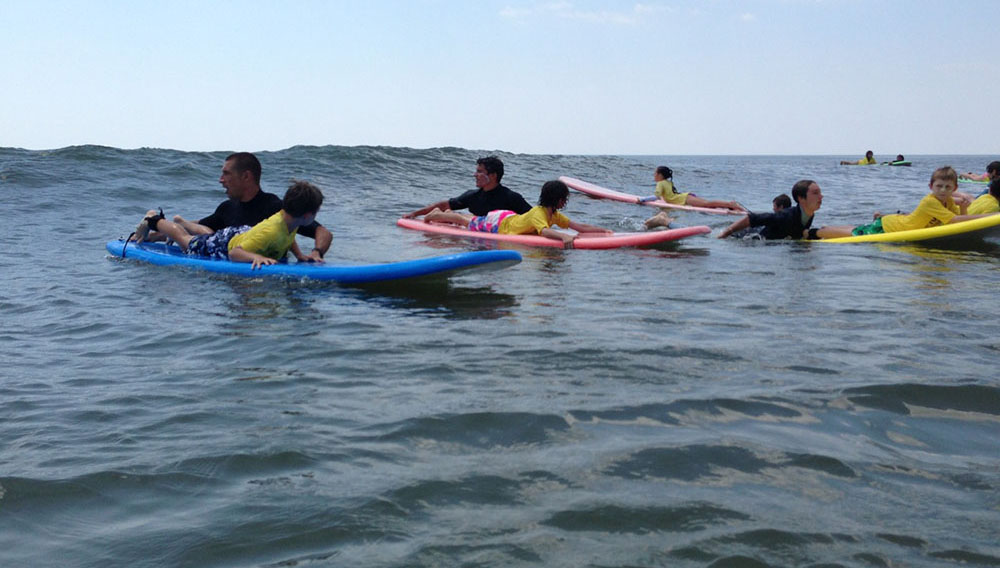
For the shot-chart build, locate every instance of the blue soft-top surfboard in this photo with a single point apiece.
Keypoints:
(444, 265)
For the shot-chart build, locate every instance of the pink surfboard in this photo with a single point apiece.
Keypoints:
(584, 241)
(594, 190)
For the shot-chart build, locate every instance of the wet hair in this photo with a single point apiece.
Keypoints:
(995, 188)
(783, 200)
(900, 158)
(869, 153)
(945, 173)
(492, 165)
(553, 194)
(246, 162)
(994, 166)
(800, 189)
(666, 172)
(302, 197)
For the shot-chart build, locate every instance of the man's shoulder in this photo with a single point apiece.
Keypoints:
(264, 197)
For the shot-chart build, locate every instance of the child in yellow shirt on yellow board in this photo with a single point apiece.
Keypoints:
(936, 208)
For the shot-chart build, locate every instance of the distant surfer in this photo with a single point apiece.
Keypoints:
(489, 194)
(791, 222)
(868, 160)
(665, 190)
(249, 205)
(936, 208)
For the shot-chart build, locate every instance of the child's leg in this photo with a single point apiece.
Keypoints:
(835, 231)
(695, 201)
(451, 217)
(191, 227)
(172, 230)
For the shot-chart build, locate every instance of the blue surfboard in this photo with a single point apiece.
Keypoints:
(444, 265)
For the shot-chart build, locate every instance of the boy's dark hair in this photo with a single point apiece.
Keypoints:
(993, 166)
(245, 161)
(995, 188)
(553, 194)
(800, 189)
(783, 200)
(302, 197)
(666, 172)
(492, 165)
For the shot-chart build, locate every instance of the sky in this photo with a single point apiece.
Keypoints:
(666, 77)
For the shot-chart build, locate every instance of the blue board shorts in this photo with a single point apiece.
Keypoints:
(216, 245)
(490, 223)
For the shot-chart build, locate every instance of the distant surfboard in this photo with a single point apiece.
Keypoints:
(594, 190)
(584, 241)
(972, 231)
(444, 265)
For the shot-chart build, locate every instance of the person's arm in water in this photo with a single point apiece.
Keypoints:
(737, 226)
(585, 228)
(442, 205)
(974, 177)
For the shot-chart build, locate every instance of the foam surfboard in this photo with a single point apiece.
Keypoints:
(979, 181)
(594, 190)
(444, 265)
(971, 231)
(584, 241)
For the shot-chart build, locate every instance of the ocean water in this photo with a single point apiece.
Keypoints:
(708, 403)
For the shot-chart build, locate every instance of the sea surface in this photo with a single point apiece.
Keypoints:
(706, 403)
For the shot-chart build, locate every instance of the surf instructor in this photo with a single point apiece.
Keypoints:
(490, 195)
(792, 223)
(249, 205)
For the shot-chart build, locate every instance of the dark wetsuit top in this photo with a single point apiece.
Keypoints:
(233, 213)
(785, 223)
(480, 202)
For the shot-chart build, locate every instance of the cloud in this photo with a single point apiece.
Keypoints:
(566, 11)
(748, 17)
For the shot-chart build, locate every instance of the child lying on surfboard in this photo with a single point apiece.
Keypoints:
(265, 243)
(936, 208)
(666, 191)
(538, 220)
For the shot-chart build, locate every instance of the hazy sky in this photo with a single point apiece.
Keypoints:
(572, 77)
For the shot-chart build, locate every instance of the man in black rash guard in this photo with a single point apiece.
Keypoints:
(249, 205)
(792, 222)
(489, 196)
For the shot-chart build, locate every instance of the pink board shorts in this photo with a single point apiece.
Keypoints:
(489, 223)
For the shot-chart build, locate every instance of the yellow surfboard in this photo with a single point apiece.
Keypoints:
(973, 230)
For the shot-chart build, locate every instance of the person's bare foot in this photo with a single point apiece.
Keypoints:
(661, 219)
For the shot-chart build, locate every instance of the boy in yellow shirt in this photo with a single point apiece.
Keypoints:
(868, 160)
(266, 242)
(988, 202)
(936, 208)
